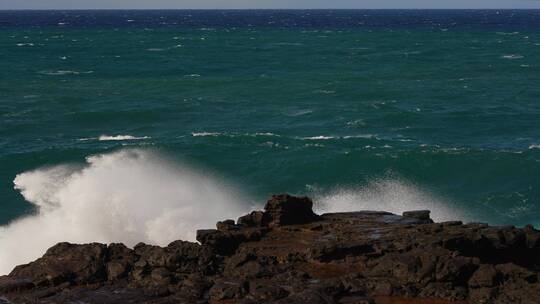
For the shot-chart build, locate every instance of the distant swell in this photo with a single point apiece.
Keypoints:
(129, 196)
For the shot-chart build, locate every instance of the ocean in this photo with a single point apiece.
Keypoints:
(128, 126)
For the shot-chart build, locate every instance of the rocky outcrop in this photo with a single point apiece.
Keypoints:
(288, 254)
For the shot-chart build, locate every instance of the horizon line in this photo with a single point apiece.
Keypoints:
(253, 9)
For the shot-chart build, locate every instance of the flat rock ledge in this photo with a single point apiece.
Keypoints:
(289, 254)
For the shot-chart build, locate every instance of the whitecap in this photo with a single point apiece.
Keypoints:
(367, 136)
(507, 33)
(63, 72)
(25, 44)
(314, 145)
(327, 92)
(299, 112)
(120, 137)
(266, 134)
(232, 135)
(272, 145)
(287, 44)
(512, 56)
(203, 134)
(536, 146)
(320, 137)
(358, 122)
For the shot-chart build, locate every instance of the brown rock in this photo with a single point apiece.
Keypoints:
(226, 225)
(484, 276)
(419, 215)
(285, 209)
(287, 254)
(67, 263)
(254, 219)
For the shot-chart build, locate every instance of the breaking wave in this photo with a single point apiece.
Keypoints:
(136, 195)
(128, 196)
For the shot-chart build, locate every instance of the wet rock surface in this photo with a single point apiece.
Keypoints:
(288, 254)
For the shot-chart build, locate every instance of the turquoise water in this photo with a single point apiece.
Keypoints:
(445, 112)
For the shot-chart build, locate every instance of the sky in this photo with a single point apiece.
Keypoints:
(246, 4)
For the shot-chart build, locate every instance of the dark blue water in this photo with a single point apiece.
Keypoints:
(392, 19)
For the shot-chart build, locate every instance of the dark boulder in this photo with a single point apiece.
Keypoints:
(254, 219)
(65, 262)
(226, 225)
(422, 215)
(285, 209)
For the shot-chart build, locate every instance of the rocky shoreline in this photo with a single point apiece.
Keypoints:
(289, 254)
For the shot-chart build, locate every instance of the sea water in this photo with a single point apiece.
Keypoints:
(129, 126)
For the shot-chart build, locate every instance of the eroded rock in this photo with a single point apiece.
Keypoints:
(288, 254)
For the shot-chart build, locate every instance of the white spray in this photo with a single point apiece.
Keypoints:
(133, 196)
(389, 194)
(128, 196)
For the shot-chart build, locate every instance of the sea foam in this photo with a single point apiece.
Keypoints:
(128, 196)
(120, 137)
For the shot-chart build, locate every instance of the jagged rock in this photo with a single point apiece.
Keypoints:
(285, 209)
(193, 287)
(78, 264)
(10, 284)
(484, 295)
(484, 276)
(265, 292)
(422, 215)
(288, 254)
(226, 242)
(356, 300)
(120, 260)
(254, 219)
(228, 289)
(513, 272)
(226, 225)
